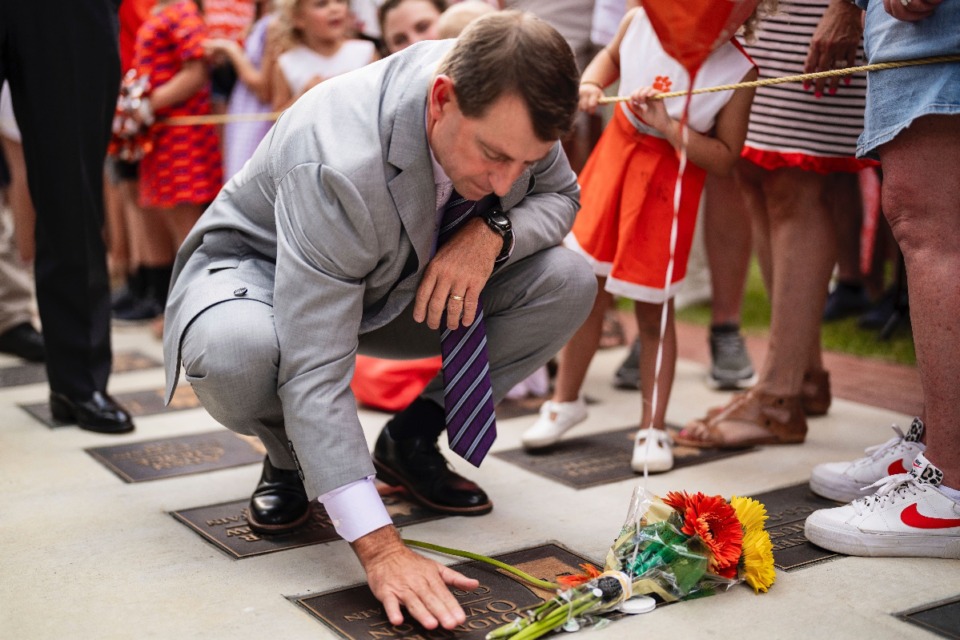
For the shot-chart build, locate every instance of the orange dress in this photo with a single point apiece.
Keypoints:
(625, 224)
(184, 166)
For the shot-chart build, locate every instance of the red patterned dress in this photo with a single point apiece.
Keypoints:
(184, 166)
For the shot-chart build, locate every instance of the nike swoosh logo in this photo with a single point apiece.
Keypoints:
(912, 517)
(896, 468)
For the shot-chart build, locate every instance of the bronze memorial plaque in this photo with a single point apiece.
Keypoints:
(225, 525)
(601, 458)
(33, 372)
(138, 403)
(787, 509)
(941, 618)
(178, 456)
(355, 614)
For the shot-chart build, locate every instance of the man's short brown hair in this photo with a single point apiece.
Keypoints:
(512, 52)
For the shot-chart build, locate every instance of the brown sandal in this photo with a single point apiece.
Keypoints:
(815, 392)
(768, 419)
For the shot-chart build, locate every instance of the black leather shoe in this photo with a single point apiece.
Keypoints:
(417, 465)
(24, 342)
(99, 413)
(279, 504)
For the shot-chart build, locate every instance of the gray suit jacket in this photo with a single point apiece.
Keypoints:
(332, 222)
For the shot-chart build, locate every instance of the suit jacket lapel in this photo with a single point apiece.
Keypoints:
(413, 189)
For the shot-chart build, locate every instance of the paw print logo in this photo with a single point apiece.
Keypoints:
(662, 84)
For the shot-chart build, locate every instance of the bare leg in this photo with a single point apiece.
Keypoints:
(118, 246)
(180, 221)
(576, 355)
(803, 251)
(648, 321)
(727, 237)
(749, 177)
(24, 216)
(924, 212)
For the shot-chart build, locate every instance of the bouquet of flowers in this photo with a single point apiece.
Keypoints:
(132, 119)
(676, 548)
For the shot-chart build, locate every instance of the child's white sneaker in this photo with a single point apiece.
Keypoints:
(653, 449)
(907, 516)
(846, 481)
(556, 418)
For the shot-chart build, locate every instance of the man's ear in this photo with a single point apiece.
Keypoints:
(442, 95)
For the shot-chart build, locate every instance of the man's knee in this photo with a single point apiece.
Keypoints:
(573, 278)
(231, 351)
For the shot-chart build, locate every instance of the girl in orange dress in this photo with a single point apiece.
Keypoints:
(180, 172)
(624, 226)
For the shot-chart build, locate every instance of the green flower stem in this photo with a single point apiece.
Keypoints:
(557, 617)
(526, 577)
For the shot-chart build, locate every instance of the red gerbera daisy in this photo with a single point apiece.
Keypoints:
(715, 521)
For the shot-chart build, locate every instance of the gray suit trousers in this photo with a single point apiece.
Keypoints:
(231, 353)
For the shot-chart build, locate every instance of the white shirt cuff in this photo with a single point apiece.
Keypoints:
(356, 509)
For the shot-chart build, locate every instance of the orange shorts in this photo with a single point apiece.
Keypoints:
(626, 216)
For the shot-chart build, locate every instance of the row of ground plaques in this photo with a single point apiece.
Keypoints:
(34, 372)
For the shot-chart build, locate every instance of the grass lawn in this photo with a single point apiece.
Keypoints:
(843, 336)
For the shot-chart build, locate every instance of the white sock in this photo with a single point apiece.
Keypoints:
(953, 494)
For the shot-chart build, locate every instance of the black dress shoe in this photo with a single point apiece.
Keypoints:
(23, 341)
(99, 413)
(417, 465)
(279, 503)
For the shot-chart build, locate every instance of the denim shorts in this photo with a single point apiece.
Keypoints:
(896, 97)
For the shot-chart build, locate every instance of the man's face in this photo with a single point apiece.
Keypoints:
(486, 154)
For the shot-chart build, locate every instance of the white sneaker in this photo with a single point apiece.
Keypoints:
(556, 418)
(653, 449)
(907, 516)
(846, 481)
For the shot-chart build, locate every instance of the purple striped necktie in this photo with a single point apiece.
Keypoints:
(467, 391)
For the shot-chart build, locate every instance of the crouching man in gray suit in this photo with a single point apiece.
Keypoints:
(326, 245)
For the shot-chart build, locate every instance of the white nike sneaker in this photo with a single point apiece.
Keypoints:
(653, 450)
(907, 516)
(846, 481)
(556, 418)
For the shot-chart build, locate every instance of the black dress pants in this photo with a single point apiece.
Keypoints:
(61, 60)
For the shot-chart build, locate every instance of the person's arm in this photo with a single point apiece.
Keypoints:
(282, 94)
(603, 70)
(835, 43)
(327, 243)
(717, 153)
(258, 80)
(186, 82)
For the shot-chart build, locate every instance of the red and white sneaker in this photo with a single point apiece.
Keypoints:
(846, 481)
(907, 516)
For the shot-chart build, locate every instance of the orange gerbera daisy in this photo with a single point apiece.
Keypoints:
(715, 521)
(576, 579)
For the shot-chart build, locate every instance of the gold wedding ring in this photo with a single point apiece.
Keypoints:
(456, 297)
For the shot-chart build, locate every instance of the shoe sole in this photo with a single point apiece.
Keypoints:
(882, 545)
(840, 493)
(276, 529)
(387, 475)
(731, 385)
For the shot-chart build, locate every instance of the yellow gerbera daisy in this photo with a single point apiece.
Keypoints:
(758, 560)
(750, 513)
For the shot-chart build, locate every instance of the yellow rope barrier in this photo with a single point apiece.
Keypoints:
(263, 117)
(846, 71)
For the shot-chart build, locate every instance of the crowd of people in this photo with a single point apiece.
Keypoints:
(457, 201)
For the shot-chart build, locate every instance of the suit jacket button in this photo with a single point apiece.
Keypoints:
(242, 291)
